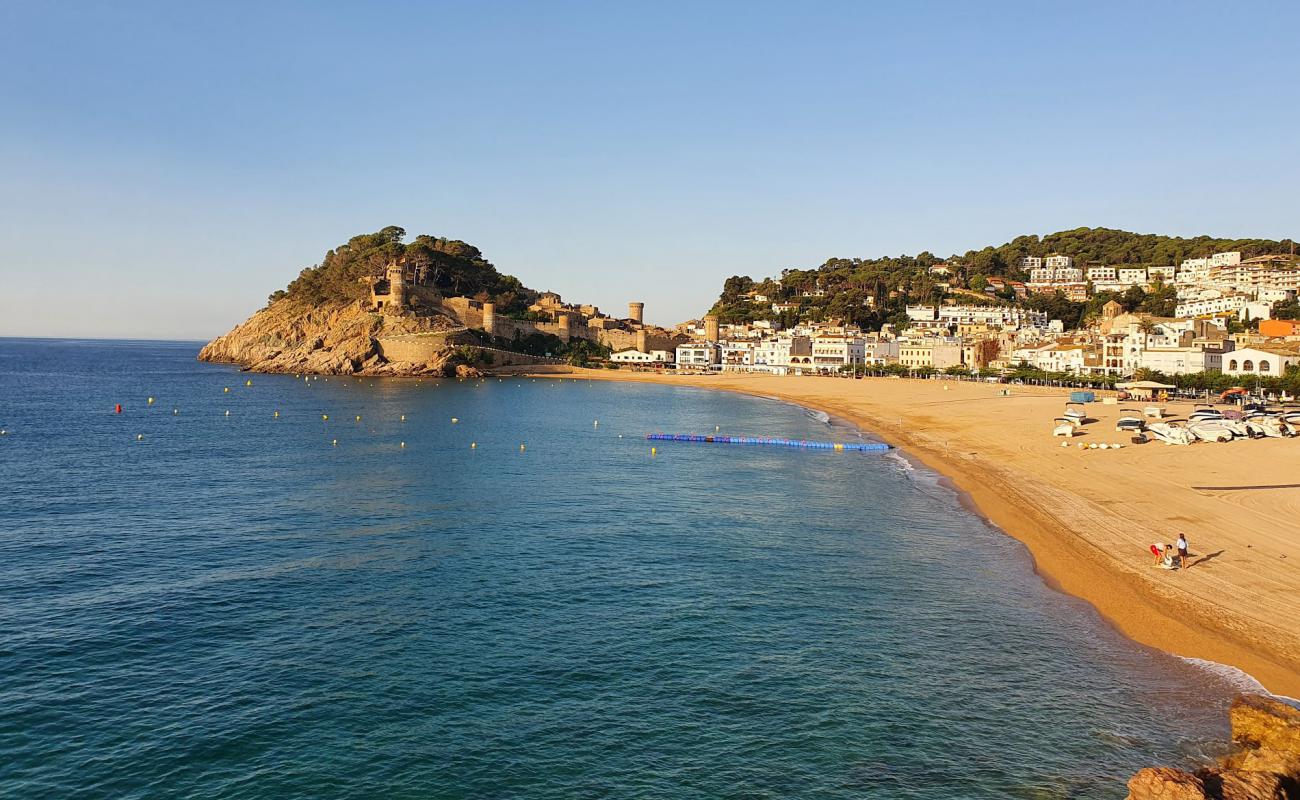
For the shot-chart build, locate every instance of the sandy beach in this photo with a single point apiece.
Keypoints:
(1089, 516)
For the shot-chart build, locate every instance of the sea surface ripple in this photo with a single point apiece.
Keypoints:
(235, 607)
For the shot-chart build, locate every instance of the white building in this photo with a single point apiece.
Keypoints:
(994, 316)
(1057, 261)
(830, 353)
(1030, 263)
(1102, 274)
(697, 355)
(1180, 360)
(1163, 274)
(736, 356)
(1263, 360)
(1225, 259)
(637, 357)
(1226, 304)
(1131, 276)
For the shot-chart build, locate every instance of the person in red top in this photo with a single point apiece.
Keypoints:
(1158, 550)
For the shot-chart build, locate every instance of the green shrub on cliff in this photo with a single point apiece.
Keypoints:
(450, 265)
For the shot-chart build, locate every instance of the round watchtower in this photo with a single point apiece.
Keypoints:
(711, 328)
(635, 312)
(490, 318)
(396, 289)
(643, 341)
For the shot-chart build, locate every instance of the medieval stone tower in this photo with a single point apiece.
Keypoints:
(711, 328)
(396, 289)
(635, 311)
(490, 318)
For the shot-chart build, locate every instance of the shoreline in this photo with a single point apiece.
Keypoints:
(1066, 559)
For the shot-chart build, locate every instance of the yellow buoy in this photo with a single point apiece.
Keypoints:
(403, 418)
(654, 451)
(403, 445)
(277, 415)
(454, 420)
(325, 416)
(521, 448)
(358, 417)
(150, 401)
(139, 437)
(335, 442)
(473, 445)
(248, 382)
(227, 389)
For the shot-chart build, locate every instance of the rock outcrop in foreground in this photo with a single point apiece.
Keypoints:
(1264, 766)
(337, 339)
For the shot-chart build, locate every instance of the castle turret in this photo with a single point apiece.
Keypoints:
(643, 341)
(635, 312)
(711, 328)
(396, 289)
(490, 318)
(562, 320)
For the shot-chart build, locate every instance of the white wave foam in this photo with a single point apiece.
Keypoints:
(1238, 679)
(820, 416)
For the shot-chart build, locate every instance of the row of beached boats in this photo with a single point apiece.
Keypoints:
(1204, 424)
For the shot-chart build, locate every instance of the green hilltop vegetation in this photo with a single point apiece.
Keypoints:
(454, 268)
(873, 291)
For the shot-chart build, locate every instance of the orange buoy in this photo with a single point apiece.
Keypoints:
(117, 409)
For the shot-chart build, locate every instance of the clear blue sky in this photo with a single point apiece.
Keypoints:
(165, 166)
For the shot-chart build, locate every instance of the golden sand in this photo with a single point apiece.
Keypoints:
(1088, 516)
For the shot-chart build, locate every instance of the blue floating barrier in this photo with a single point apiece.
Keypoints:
(865, 447)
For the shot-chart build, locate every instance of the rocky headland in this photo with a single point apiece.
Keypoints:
(1264, 765)
(334, 339)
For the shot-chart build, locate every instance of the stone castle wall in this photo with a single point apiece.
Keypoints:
(470, 314)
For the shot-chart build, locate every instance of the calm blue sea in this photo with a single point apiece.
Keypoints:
(235, 607)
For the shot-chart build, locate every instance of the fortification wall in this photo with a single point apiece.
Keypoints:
(413, 348)
(469, 312)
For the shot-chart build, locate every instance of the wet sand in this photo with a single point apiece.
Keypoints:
(1088, 516)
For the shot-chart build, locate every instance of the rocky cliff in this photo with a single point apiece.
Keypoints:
(332, 339)
(1265, 764)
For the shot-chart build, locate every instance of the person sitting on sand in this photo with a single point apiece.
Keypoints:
(1182, 551)
(1167, 562)
(1158, 550)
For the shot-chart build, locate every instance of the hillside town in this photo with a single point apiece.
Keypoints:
(1222, 322)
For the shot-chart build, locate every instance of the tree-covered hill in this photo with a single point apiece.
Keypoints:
(453, 267)
(871, 291)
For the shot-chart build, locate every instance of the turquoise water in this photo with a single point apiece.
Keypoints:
(234, 607)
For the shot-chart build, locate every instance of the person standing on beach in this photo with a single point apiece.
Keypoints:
(1182, 551)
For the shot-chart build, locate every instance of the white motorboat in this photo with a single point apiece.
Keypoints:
(1075, 411)
(1130, 420)
(1268, 425)
(1170, 433)
(1204, 413)
(1064, 427)
(1213, 430)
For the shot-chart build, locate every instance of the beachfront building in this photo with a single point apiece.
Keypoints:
(938, 352)
(1263, 360)
(697, 355)
(736, 356)
(637, 357)
(878, 351)
(1180, 360)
